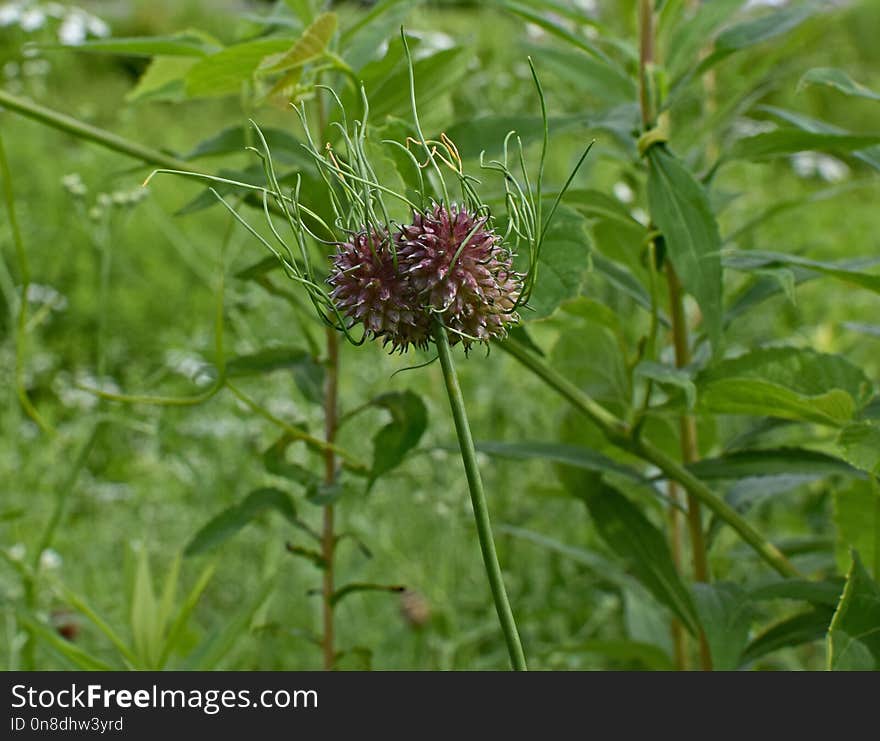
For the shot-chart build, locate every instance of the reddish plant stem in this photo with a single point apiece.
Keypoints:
(679, 637)
(689, 445)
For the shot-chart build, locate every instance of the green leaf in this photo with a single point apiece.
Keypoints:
(177, 630)
(635, 539)
(680, 208)
(804, 627)
(211, 654)
(785, 382)
(361, 41)
(602, 372)
(232, 519)
(599, 564)
(689, 36)
(285, 147)
(647, 655)
(563, 263)
(856, 513)
(309, 46)
(622, 280)
(826, 592)
(567, 455)
(770, 462)
(81, 606)
(308, 375)
(837, 79)
(668, 375)
(790, 140)
(409, 420)
(757, 30)
(487, 133)
(265, 361)
(553, 28)
(163, 79)
(225, 72)
(600, 79)
(725, 613)
(849, 271)
(146, 628)
(186, 44)
(854, 634)
(870, 156)
(434, 75)
(349, 589)
(68, 651)
(860, 443)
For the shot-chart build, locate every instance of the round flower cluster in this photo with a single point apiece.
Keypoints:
(448, 262)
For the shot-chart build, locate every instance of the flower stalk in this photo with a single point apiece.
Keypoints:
(478, 499)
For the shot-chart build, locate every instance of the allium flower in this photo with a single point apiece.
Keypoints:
(368, 288)
(457, 267)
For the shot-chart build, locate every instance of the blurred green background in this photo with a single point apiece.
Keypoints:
(123, 298)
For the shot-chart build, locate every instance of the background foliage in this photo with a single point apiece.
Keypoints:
(111, 527)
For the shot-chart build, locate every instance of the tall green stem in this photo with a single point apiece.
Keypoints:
(328, 535)
(478, 499)
(621, 435)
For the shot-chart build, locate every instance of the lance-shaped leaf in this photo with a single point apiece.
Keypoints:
(787, 382)
(804, 627)
(849, 271)
(837, 79)
(308, 47)
(232, 519)
(680, 208)
(726, 613)
(790, 140)
(638, 541)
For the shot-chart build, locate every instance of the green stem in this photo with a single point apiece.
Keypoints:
(620, 434)
(478, 499)
(328, 533)
(82, 130)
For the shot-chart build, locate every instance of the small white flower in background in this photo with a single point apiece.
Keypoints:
(97, 27)
(11, 70)
(190, 366)
(32, 19)
(623, 193)
(765, 3)
(743, 127)
(73, 184)
(831, 169)
(588, 6)
(39, 293)
(17, 552)
(640, 215)
(431, 41)
(815, 165)
(73, 30)
(534, 32)
(50, 559)
(10, 13)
